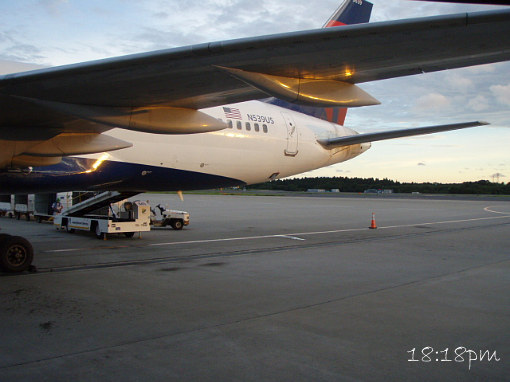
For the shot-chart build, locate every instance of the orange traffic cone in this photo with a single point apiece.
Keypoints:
(373, 225)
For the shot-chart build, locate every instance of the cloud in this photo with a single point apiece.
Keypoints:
(161, 15)
(479, 69)
(52, 6)
(432, 102)
(502, 93)
(479, 103)
(421, 164)
(7, 67)
(459, 83)
(13, 49)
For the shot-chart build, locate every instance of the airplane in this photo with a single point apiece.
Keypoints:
(199, 117)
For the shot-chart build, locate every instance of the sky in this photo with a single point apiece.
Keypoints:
(58, 32)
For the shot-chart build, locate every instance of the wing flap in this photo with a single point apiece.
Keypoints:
(372, 137)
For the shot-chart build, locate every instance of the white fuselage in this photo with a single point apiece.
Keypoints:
(262, 142)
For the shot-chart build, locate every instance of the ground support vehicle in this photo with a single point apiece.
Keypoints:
(174, 218)
(134, 218)
(23, 206)
(6, 206)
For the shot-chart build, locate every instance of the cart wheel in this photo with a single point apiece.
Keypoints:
(97, 231)
(176, 224)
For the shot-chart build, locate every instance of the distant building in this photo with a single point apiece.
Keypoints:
(335, 190)
(316, 190)
(378, 191)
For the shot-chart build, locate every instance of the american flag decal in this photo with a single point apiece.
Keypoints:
(232, 112)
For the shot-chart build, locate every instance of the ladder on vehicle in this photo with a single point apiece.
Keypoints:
(96, 202)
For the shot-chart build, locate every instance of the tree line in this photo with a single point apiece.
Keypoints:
(361, 184)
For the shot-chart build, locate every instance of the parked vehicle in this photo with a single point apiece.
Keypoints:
(174, 218)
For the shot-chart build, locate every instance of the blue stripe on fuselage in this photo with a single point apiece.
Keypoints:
(71, 175)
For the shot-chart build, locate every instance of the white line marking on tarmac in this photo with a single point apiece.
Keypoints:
(215, 240)
(448, 221)
(399, 226)
(291, 237)
(488, 209)
(295, 236)
(64, 250)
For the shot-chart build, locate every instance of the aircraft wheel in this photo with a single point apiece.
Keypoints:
(16, 253)
(177, 224)
(68, 229)
(129, 234)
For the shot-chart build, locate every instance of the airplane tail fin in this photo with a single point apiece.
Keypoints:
(350, 12)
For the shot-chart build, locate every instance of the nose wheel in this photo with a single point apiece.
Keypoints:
(16, 253)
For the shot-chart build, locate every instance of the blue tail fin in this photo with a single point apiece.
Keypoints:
(350, 12)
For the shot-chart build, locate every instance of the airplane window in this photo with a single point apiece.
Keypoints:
(256, 126)
(264, 127)
(229, 123)
(248, 126)
(239, 125)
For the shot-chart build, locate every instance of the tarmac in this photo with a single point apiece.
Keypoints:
(268, 288)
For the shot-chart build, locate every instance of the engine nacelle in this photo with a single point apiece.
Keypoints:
(151, 119)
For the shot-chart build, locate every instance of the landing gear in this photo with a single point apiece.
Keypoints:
(16, 253)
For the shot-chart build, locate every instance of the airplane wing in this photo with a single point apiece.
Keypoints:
(319, 67)
(379, 136)
(195, 76)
